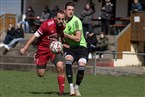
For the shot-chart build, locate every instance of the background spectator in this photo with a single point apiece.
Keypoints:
(25, 24)
(30, 14)
(18, 36)
(136, 6)
(106, 14)
(55, 10)
(91, 43)
(28, 20)
(92, 5)
(9, 36)
(86, 16)
(102, 44)
(46, 14)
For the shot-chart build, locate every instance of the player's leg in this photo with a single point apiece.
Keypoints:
(80, 75)
(69, 59)
(61, 76)
(68, 63)
(40, 72)
(81, 68)
(58, 61)
(41, 61)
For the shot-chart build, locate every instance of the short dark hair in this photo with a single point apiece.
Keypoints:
(69, 4)
(60, 11)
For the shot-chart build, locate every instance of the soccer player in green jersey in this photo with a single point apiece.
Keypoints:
(74, 48)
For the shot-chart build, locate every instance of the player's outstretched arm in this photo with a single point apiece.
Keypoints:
(29, 42)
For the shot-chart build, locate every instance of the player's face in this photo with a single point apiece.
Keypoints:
(60, 19)
(135, 1)
(69, 11)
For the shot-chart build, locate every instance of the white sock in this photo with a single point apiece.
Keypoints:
(71, 86)
(76, 87)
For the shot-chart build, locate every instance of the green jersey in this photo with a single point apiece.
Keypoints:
(72, 26)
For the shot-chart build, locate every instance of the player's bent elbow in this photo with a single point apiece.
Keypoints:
(77, 39)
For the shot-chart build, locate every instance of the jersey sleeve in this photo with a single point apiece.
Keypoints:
(78, 25)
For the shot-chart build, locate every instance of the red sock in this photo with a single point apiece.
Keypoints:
(61, 81)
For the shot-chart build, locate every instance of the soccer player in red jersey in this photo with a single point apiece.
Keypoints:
(49, 31)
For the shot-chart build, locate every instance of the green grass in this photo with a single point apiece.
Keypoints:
(27, 84)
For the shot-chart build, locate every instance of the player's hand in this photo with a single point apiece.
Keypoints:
(65, 35)
(66, 46)
(22, 51)
(64, 24)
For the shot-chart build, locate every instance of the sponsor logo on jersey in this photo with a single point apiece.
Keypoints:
(50, 23)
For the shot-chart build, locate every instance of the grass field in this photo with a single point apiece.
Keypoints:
(27, 84)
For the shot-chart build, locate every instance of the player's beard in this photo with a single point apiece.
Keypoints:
(59, 24)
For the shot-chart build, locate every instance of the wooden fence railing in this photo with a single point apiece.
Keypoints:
(5, 20)
(124, 41)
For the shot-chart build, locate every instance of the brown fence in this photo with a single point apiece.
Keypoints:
(123, 41)
(5, 20)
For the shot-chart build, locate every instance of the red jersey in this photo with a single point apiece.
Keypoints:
(47, 33)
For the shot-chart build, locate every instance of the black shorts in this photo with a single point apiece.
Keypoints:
(77, 52)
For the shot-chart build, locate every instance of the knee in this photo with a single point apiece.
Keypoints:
(60, 67)
(82, 61)
(69, 57)
(60, 71)
(40, 74)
